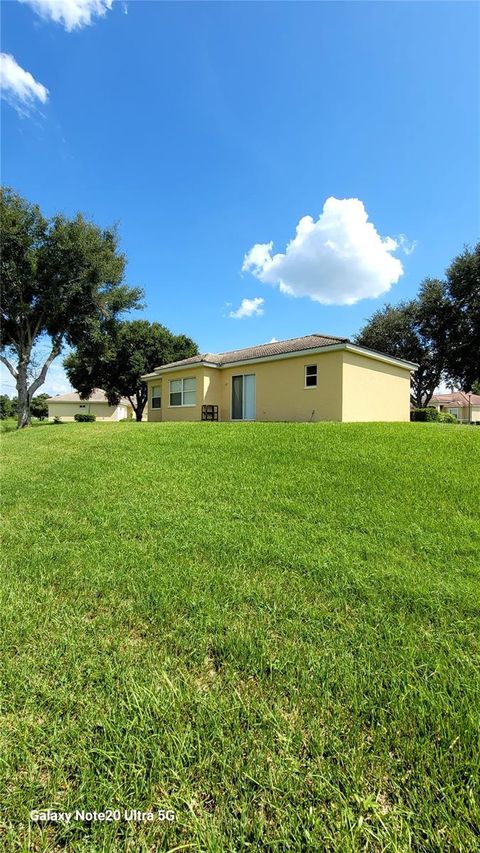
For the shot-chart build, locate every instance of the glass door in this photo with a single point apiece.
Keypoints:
(243, 397)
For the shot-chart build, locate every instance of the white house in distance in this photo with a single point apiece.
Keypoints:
(66, 406)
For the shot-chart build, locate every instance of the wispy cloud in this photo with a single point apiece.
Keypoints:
(71, 14)
(19, 87)
(405, 245)
(337, 260)
(248, 308)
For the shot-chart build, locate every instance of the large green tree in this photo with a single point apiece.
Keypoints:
(60, 278)
(463, 294)
(119, 353)
(39, 406)
(415, 331)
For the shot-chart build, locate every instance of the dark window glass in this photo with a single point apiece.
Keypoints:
(311, 376)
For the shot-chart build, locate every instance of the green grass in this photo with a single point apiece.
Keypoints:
(270, 628)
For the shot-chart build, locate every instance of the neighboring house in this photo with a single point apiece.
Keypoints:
(66, 406)
(465, 407)
(313, 378)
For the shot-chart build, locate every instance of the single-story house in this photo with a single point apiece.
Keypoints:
(465, 407)
(312, 378)
(66, 406)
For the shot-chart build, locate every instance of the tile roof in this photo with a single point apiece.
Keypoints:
(315, 341)
(97, 396)
(459, 398)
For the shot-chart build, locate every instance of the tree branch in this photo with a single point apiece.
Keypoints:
(56, 349)
(10, 366)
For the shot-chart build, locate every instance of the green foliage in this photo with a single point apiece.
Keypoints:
(428, 413)
(85, 418)
(432, 415)
(57, 420)
(415, 331)
(447, 418)
(6, 407)
(255, 625)
(463, 293)
(39, 406)
(119, 353)
(60, 278)
(476, 387)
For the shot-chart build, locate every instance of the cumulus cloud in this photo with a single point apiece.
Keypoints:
(248, 308)
(72, 14)
(18, 86)
(338, 259)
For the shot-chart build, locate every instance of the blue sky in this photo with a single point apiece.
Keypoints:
(205, 129)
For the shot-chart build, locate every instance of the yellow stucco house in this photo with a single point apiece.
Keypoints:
(465, 407)
(66, 406)
(312, 378)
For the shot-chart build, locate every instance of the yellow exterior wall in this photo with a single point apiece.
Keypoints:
(464, 413)
(66, 411)
(350, 387)
(280, 388)
(374, 390)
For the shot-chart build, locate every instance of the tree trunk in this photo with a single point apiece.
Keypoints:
(23, 416)
(138, 414)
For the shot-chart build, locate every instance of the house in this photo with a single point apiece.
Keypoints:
(66, 406)
(465, 407)
(313, 378)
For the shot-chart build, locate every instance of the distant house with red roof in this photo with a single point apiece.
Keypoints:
(465, 407)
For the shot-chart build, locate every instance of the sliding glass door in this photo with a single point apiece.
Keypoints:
(243, 397)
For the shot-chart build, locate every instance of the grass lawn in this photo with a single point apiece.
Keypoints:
(271, 629)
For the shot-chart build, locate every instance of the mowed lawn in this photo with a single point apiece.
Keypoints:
(271, 629)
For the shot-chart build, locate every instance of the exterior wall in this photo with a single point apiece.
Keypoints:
(350, 387)
(181, 413)
(66, 411)
(151, 414)
(374, 390)
(464, 413)
(280, 388)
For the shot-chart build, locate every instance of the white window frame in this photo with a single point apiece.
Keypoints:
(309, 387)
(182, 405)
(454, 410)
(157, 396)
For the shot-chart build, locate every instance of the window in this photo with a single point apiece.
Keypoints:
(454, 411)
(156, 397)
(182, 392)
(311, 376)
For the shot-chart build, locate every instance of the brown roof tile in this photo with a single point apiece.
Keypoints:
(315, 341)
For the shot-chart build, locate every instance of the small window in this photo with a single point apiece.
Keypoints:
(311, 376)
(156, 397)
(454, 411)
(183, 392)
(82, 406)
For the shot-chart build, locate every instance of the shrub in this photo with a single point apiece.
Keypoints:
(447, 418)
(429, 413)
(86, 418)
(57, 420)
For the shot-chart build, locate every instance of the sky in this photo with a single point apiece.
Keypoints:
(274, 169)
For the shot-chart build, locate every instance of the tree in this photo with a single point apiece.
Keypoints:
(6, 407)
(60, 278)
(39, 406)
(118, 354)
(415, 331)
(463, 294)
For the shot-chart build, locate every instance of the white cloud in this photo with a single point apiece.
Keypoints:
(18, 87)
(407, 246)
(72, 14)
(337, 260)
(248, 308)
